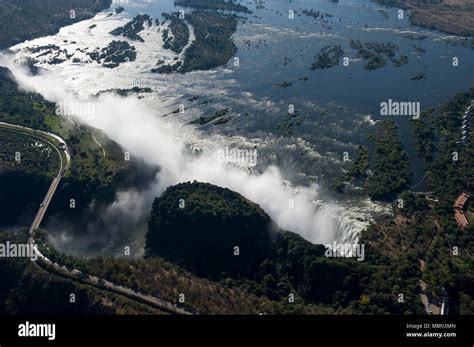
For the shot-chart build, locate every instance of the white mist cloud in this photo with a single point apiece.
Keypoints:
(127, 121)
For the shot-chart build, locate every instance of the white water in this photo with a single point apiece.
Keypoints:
(162, 141)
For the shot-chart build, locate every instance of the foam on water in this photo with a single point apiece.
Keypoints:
(138, 126)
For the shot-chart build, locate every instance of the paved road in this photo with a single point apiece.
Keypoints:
(100, 283)
(54, 185)
(76, 274)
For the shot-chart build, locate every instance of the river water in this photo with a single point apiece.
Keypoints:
(336, 108)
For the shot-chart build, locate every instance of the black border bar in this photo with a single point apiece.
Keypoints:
(314, 330)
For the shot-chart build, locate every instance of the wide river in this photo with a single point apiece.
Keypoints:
(336, 108)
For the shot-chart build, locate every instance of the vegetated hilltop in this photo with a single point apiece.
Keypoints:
(98, 166)
(451, 16)
(202, 227)
(269, 261)
(156, 277)
(22, 20)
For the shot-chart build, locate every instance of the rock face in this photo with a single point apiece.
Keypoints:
(210, 230)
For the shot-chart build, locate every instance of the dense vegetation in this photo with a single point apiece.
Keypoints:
(447, 176)
(213, 5)
(357, 171)
(91, 175)
(391, 169)
(291, 264)
(436, 137)
(328, 57)
(422, 230)
(27, 289)
(201, 221)
(213, 46)
(162, 279)
(425, 229)
(29, 19)
(290, 122)
(116, 53)
(35, 155)
(30, 109)
(133, 28)
(376, 54)
(424, 135)
(180, 33)
(37, 165)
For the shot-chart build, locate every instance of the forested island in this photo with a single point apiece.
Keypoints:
(213, 46)
(116, 53)
(291, 122)
(376, 54)
(180, 33)
(133, 28)
(390, 170)
(328, 57)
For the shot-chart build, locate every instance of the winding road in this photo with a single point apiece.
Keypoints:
(61, 270)
(62, 168)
